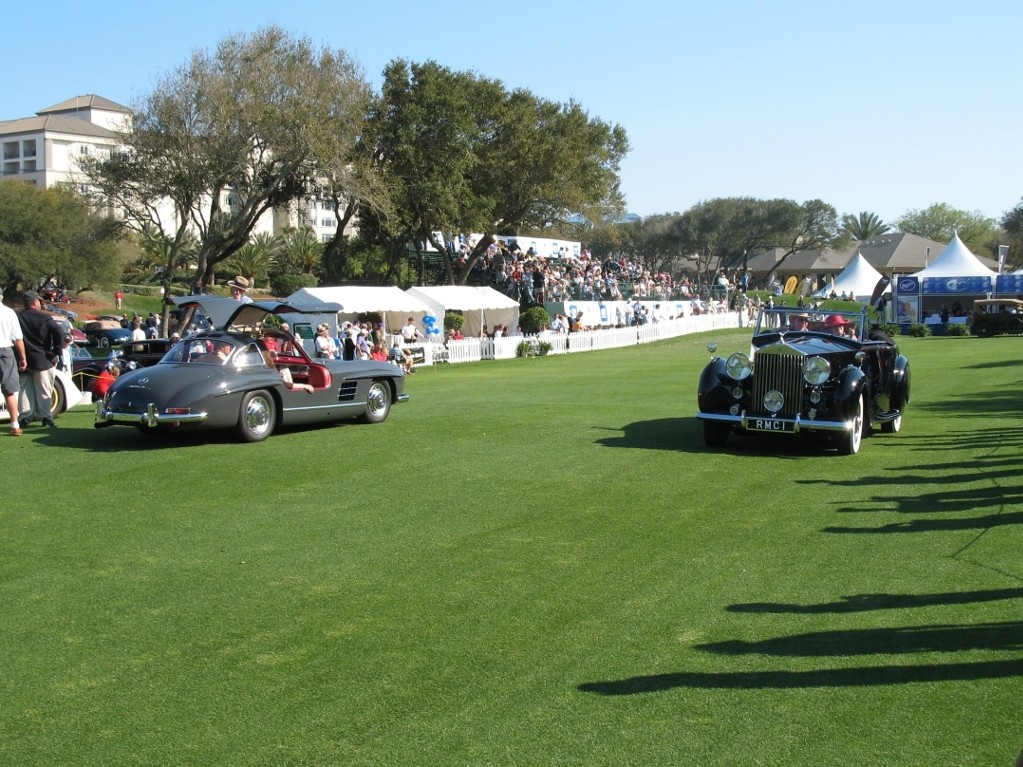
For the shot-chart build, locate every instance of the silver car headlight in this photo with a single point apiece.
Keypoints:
(816, 370)
(738, 366)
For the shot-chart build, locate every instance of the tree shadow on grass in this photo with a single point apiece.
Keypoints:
(1000, 637)
(1006, 635)
(983, 522)
(875, 676)
(869, 602)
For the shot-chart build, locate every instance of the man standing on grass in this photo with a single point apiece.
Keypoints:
(43, 343)
(12, 361)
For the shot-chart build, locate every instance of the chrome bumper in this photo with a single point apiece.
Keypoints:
(150, 418)
(792, 425)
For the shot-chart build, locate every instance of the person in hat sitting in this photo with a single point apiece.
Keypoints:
(840, 326)
(240, 288)
(799, 321)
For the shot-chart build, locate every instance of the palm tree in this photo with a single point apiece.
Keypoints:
(302, 249)
(254, 258)
(866, 226)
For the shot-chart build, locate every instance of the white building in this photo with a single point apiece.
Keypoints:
(43, 151)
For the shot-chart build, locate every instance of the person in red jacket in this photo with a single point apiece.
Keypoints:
(103, 381)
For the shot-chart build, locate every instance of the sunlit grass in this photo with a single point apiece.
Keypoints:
(533, 562)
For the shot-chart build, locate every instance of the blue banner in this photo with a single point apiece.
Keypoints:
(904, 283)
(956, 285)
(1009, 283)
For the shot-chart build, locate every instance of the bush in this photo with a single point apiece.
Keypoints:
(534, 319)
(532, 348)
(286, 284)
(956, 329)
(919, 330)
(453, 321)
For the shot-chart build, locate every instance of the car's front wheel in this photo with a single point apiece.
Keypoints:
(256, 420)
(716, 434)
(850, 444)
(378, 402)
(1014, 325)
(104, 342)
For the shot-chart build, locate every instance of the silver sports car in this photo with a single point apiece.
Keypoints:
(248, 375)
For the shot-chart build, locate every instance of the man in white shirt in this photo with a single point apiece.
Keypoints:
(409, 332)
(12, 361)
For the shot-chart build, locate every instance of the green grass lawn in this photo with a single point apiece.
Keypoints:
(533, 562)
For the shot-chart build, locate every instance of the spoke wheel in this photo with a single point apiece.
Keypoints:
(378, 402)
(256, 420)
(851, 439)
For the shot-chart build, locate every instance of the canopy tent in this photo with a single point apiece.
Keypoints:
(858, 279)
(479, 305)
(358, 299)
(955, 260)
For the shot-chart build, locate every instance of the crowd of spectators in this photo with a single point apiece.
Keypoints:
(534, 279)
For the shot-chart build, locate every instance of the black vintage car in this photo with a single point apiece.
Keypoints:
(995, 316)
(248, 376)
(826, 373)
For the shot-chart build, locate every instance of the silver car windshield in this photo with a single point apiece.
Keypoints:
(202, 351)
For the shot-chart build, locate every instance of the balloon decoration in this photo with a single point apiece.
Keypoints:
(430, 324)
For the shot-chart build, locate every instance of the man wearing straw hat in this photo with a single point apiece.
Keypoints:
(240, 289)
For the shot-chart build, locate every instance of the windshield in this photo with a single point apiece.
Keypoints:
(207, 351)
(845, 324)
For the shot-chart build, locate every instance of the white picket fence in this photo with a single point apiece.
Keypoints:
(476, 349)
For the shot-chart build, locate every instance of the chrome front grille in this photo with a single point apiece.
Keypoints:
(781, 372)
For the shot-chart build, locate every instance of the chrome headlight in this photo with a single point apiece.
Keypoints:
(816, 370)
(774, 401)
(738, 366)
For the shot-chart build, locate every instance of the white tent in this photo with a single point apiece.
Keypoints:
(480, 306)
(359, 299)
(858, 279)
(955, 260)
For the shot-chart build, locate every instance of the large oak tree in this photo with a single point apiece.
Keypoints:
(233, 134)
(462, 154)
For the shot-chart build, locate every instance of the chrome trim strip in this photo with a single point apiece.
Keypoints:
(799, 424)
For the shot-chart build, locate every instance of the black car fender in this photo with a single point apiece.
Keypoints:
(851, 384)
(712, 393)
(900, 383)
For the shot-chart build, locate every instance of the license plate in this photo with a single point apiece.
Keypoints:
(769, 424)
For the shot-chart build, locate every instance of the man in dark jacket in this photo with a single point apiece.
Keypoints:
(43, 342)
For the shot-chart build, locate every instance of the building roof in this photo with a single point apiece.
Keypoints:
(88, 101)
(54, 124)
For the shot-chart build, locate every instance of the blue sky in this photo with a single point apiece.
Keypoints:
(880, 106)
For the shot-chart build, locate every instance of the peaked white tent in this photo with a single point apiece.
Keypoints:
(479, 305)
(858, 279)
(955, 260)
(360, 299)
